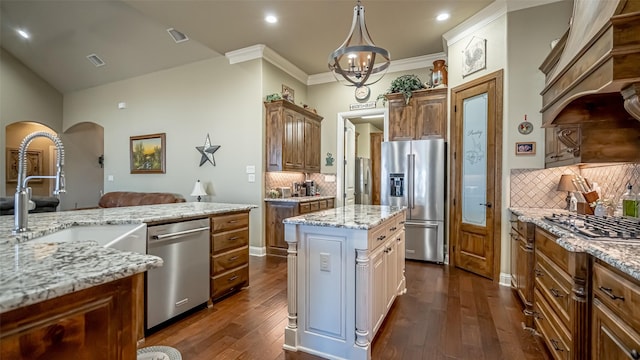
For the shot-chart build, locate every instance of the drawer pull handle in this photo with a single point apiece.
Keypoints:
(609, 293)
(381, 237)
(393, 229)
(538, 272)
(555, 345)
(634, 354)
(232, 221)
(233, 258)
(234, 238)
(234, 277)
(537, 315)
(555, 292)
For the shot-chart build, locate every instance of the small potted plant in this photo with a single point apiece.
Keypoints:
(405, 84)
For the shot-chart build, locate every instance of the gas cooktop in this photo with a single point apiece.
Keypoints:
(593, 227)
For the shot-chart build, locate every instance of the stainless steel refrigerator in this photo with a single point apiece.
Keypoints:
(363, 181)
(413, 176)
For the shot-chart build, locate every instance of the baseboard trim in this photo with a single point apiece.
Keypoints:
(505, 279)
(257, 251)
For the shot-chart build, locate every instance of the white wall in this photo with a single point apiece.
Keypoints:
(516, 42)
(24, 96)
(187, 103)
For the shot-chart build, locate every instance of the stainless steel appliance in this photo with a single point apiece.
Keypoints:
(598, 227)
(182, 283)
(413, 176)
(310, 188)
(363, 181)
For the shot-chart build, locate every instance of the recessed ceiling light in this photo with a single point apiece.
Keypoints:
(23, 33)
(271, 19)
(177, 36)
(95, 60)
(442, 17)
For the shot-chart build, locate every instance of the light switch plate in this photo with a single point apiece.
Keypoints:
(330, 178)
(110, 178)
(325, 262)
(251, 169)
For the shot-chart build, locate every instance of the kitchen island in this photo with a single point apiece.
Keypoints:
(79, 297)
(345, 269)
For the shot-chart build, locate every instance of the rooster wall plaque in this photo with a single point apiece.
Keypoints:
(474, 56)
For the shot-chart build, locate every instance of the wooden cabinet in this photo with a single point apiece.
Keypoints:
(522, 259)
(229, 253)
(276, 211)
(292, 138)
(94, 323)
(562, 146)
(560, 298)
(615, 314)
(424, 115)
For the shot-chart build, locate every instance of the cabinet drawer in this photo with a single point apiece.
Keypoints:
(377, 236)
(617, 293)
(555, 285)
(229, 282)
(546, 244)
(392, 225)
(304, 208)
(314, 206)
(229, 240)
(229, 222)
(322, 204)
(330, 203)
(227, 261)
(555, 335)
(612, 337)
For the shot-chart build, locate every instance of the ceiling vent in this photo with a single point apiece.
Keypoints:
(95, 60)
(177, 36)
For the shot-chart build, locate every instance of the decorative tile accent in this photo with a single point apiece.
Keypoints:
(285, 179)
(536, 188)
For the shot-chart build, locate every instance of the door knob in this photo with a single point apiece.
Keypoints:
(487, 204)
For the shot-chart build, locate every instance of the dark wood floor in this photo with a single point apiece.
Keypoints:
(447, 313)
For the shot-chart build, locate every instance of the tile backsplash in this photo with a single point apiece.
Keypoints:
(285, 179)
(536, 188)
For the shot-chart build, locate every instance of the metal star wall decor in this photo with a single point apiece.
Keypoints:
(207, 152)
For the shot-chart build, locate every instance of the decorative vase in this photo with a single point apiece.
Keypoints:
(439, 73)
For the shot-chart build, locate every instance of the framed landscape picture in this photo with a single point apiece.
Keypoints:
(34, 165)
(147, 154)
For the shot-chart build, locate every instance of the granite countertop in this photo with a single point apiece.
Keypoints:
(34, 272)
(359, 217)
(624, 256)
(300, 199)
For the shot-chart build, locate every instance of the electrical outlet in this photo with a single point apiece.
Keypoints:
(325, 262)
(251, 178)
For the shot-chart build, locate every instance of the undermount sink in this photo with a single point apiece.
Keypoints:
(126, 237)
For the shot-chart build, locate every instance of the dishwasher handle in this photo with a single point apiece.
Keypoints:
(178, 234)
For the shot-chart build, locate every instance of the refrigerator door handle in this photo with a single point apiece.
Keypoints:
(412, 185)
(421, 224)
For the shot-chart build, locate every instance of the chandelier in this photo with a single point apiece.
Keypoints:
(358, 58)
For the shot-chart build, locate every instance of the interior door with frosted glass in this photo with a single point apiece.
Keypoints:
(476, 175)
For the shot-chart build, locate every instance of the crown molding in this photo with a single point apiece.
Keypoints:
(476, 22)
(261, 51)
(418, 62)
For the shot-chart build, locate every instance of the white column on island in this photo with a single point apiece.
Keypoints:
(362, 298)
(290, 332)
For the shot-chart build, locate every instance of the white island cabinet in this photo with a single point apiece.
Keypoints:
(345, 269)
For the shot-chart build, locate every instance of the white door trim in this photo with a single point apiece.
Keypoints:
(340, 143)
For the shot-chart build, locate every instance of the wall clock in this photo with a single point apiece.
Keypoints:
(362, 93)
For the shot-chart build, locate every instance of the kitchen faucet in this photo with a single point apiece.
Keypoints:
(22, 198)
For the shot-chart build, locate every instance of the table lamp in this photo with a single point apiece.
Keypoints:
(198, 190)
(566, 184)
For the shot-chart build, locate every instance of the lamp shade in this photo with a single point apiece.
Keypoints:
(566, 183)
(198, 190)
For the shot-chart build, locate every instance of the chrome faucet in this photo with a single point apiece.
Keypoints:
(22, 198)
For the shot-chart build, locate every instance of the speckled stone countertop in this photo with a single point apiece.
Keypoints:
(300, 199)
(34, 272)
(624, 256)
(359, 217)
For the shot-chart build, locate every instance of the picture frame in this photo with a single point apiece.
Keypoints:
(288, 93)
(34, 165)
(474, 56)
(147, 154)
(526, 148)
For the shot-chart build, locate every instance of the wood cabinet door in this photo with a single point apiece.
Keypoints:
(293, 141)
(311, 145)
(376, 172)
(430, 114)
(276, 212)
(391, 271)
(401, 120)
(378, 287)
(612, 338)
(274, 134)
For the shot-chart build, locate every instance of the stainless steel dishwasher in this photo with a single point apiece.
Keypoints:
(182, 283)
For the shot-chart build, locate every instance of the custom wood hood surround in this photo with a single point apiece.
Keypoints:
(592, 85)
(598, 55)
